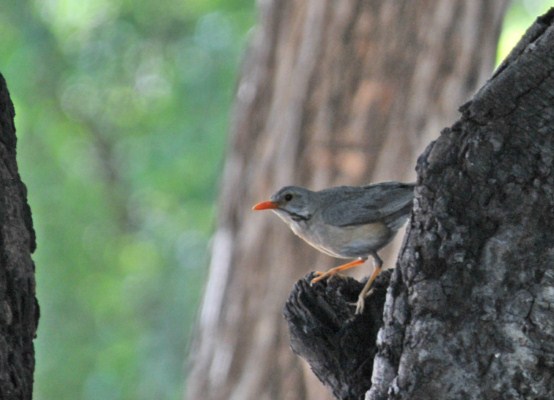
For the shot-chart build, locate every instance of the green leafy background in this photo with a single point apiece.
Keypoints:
(122, 112)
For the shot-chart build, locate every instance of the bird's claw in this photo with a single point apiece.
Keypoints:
(360, 304)
(320, 276)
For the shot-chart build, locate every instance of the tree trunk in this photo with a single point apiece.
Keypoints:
(470, 313)
(18, 305)
(332, 93)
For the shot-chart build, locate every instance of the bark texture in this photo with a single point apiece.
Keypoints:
(332, 92)
(470, 310)
(18, 305)
(338, 346)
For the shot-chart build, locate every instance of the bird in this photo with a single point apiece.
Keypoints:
(347, 222)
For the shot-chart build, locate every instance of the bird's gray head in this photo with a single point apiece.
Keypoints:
(291, 203)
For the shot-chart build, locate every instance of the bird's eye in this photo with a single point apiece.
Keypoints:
(288, 197)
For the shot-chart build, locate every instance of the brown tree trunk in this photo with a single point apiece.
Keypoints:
(18, 305)
(332, 92)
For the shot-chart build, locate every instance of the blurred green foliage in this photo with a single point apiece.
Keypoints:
(519, 17)
(122, 109)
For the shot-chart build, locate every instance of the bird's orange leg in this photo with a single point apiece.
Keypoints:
(378, 267)
(365, 291)
(333, 271)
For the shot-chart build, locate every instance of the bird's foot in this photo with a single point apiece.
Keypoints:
(367, 289)
(334, 271)
(321, 275)
(360, 304)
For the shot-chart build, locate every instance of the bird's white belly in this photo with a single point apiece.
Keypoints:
(344, 242)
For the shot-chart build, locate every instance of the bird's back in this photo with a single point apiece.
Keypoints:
(389, 202)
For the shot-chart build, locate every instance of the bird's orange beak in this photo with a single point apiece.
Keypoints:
(265, 205)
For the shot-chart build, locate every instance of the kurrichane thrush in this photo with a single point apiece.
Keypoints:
(345, 221)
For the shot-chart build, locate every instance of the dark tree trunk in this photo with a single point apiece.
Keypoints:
(332, 92)
(469, 313)
(471, 307)
(18, 305)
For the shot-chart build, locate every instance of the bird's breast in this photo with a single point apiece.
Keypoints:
(344, 242)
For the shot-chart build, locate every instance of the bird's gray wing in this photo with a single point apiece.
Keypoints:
(384, 202)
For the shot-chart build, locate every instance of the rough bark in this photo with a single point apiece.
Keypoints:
(18, 306)
(338, 346)
(471, 307)
(332, 92)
